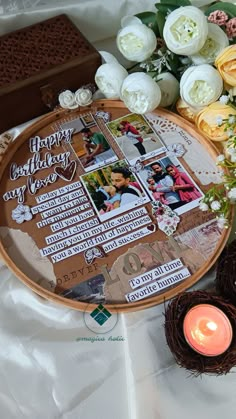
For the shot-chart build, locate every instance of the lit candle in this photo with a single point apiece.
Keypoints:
(207, 330)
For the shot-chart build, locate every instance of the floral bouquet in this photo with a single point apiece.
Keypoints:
(184, 58)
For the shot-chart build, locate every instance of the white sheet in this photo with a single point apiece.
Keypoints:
(45, 373)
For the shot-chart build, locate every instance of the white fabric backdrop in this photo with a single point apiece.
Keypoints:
(45, 373)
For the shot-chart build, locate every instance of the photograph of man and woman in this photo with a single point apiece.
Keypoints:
(114, 189)
(171, 185)
(135, 137)
(89, 143)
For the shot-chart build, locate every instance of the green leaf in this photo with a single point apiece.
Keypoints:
(160, 19)
(175, 64)
(165, 8)
(228, 8)
(149, 19)
(178, 3)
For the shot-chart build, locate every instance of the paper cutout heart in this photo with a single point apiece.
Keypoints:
(66, 173)
(151, 227)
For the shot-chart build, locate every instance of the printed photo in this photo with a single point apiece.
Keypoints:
(135, 137)
(169, 183)
(114, 189)
(90, 291)
(89, 143)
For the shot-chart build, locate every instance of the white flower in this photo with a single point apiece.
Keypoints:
(230, 148)
(185, 30)
(230, 132)
(220, 158)
(232, 119)
(232, 92)
(169, 86)
(136, 42)
(140, 93)
(224, 99)
(203, 206)
(215, 205)
(222, 222)
(109, 78)
(216, 41)
(175, 150)
(219, 120)
(107, 57)
(130, 20)
(21, 213)
(67, 100)
(232, 195)
(201, 85)
(233, 158)
(83, 97)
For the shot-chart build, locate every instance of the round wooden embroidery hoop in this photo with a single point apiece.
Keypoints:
(108, 105)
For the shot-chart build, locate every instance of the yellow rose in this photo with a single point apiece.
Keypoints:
(207, 121)
(226, 64)
(186, 111)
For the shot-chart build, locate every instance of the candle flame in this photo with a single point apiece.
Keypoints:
(212, 325)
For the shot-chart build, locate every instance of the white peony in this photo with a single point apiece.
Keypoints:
(185, 30)
(107, 57)
(140, 93)
(169, 86)
(136, 42)
(83, 97)
(201, 85)
(109, 78)
(67, 100)
(216, 41)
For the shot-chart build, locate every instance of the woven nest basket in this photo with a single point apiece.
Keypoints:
(184, 355)
(226, 273)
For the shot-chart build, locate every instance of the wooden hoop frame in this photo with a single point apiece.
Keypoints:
(120, 307)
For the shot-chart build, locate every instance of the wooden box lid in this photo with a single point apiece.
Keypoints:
(45, 47)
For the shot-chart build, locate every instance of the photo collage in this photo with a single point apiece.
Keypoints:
(145, 174)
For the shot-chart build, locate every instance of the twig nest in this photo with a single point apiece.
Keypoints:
(226, 273)
(184, 355)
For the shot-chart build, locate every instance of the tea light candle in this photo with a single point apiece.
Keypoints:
(207, 330)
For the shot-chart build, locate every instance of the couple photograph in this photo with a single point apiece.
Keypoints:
(114, 189)
(169, 184)
(89, 143)
(134, 136)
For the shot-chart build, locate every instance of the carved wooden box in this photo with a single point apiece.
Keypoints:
(37, 63)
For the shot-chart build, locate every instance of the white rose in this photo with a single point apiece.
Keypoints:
(109, 78)
(216, 41)
(67, 100)
(215, 205)
(140, 93)
(185, 30)
(83, 97)
(136, 42)
(203, 206)
(169, 86)
(201, 85)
